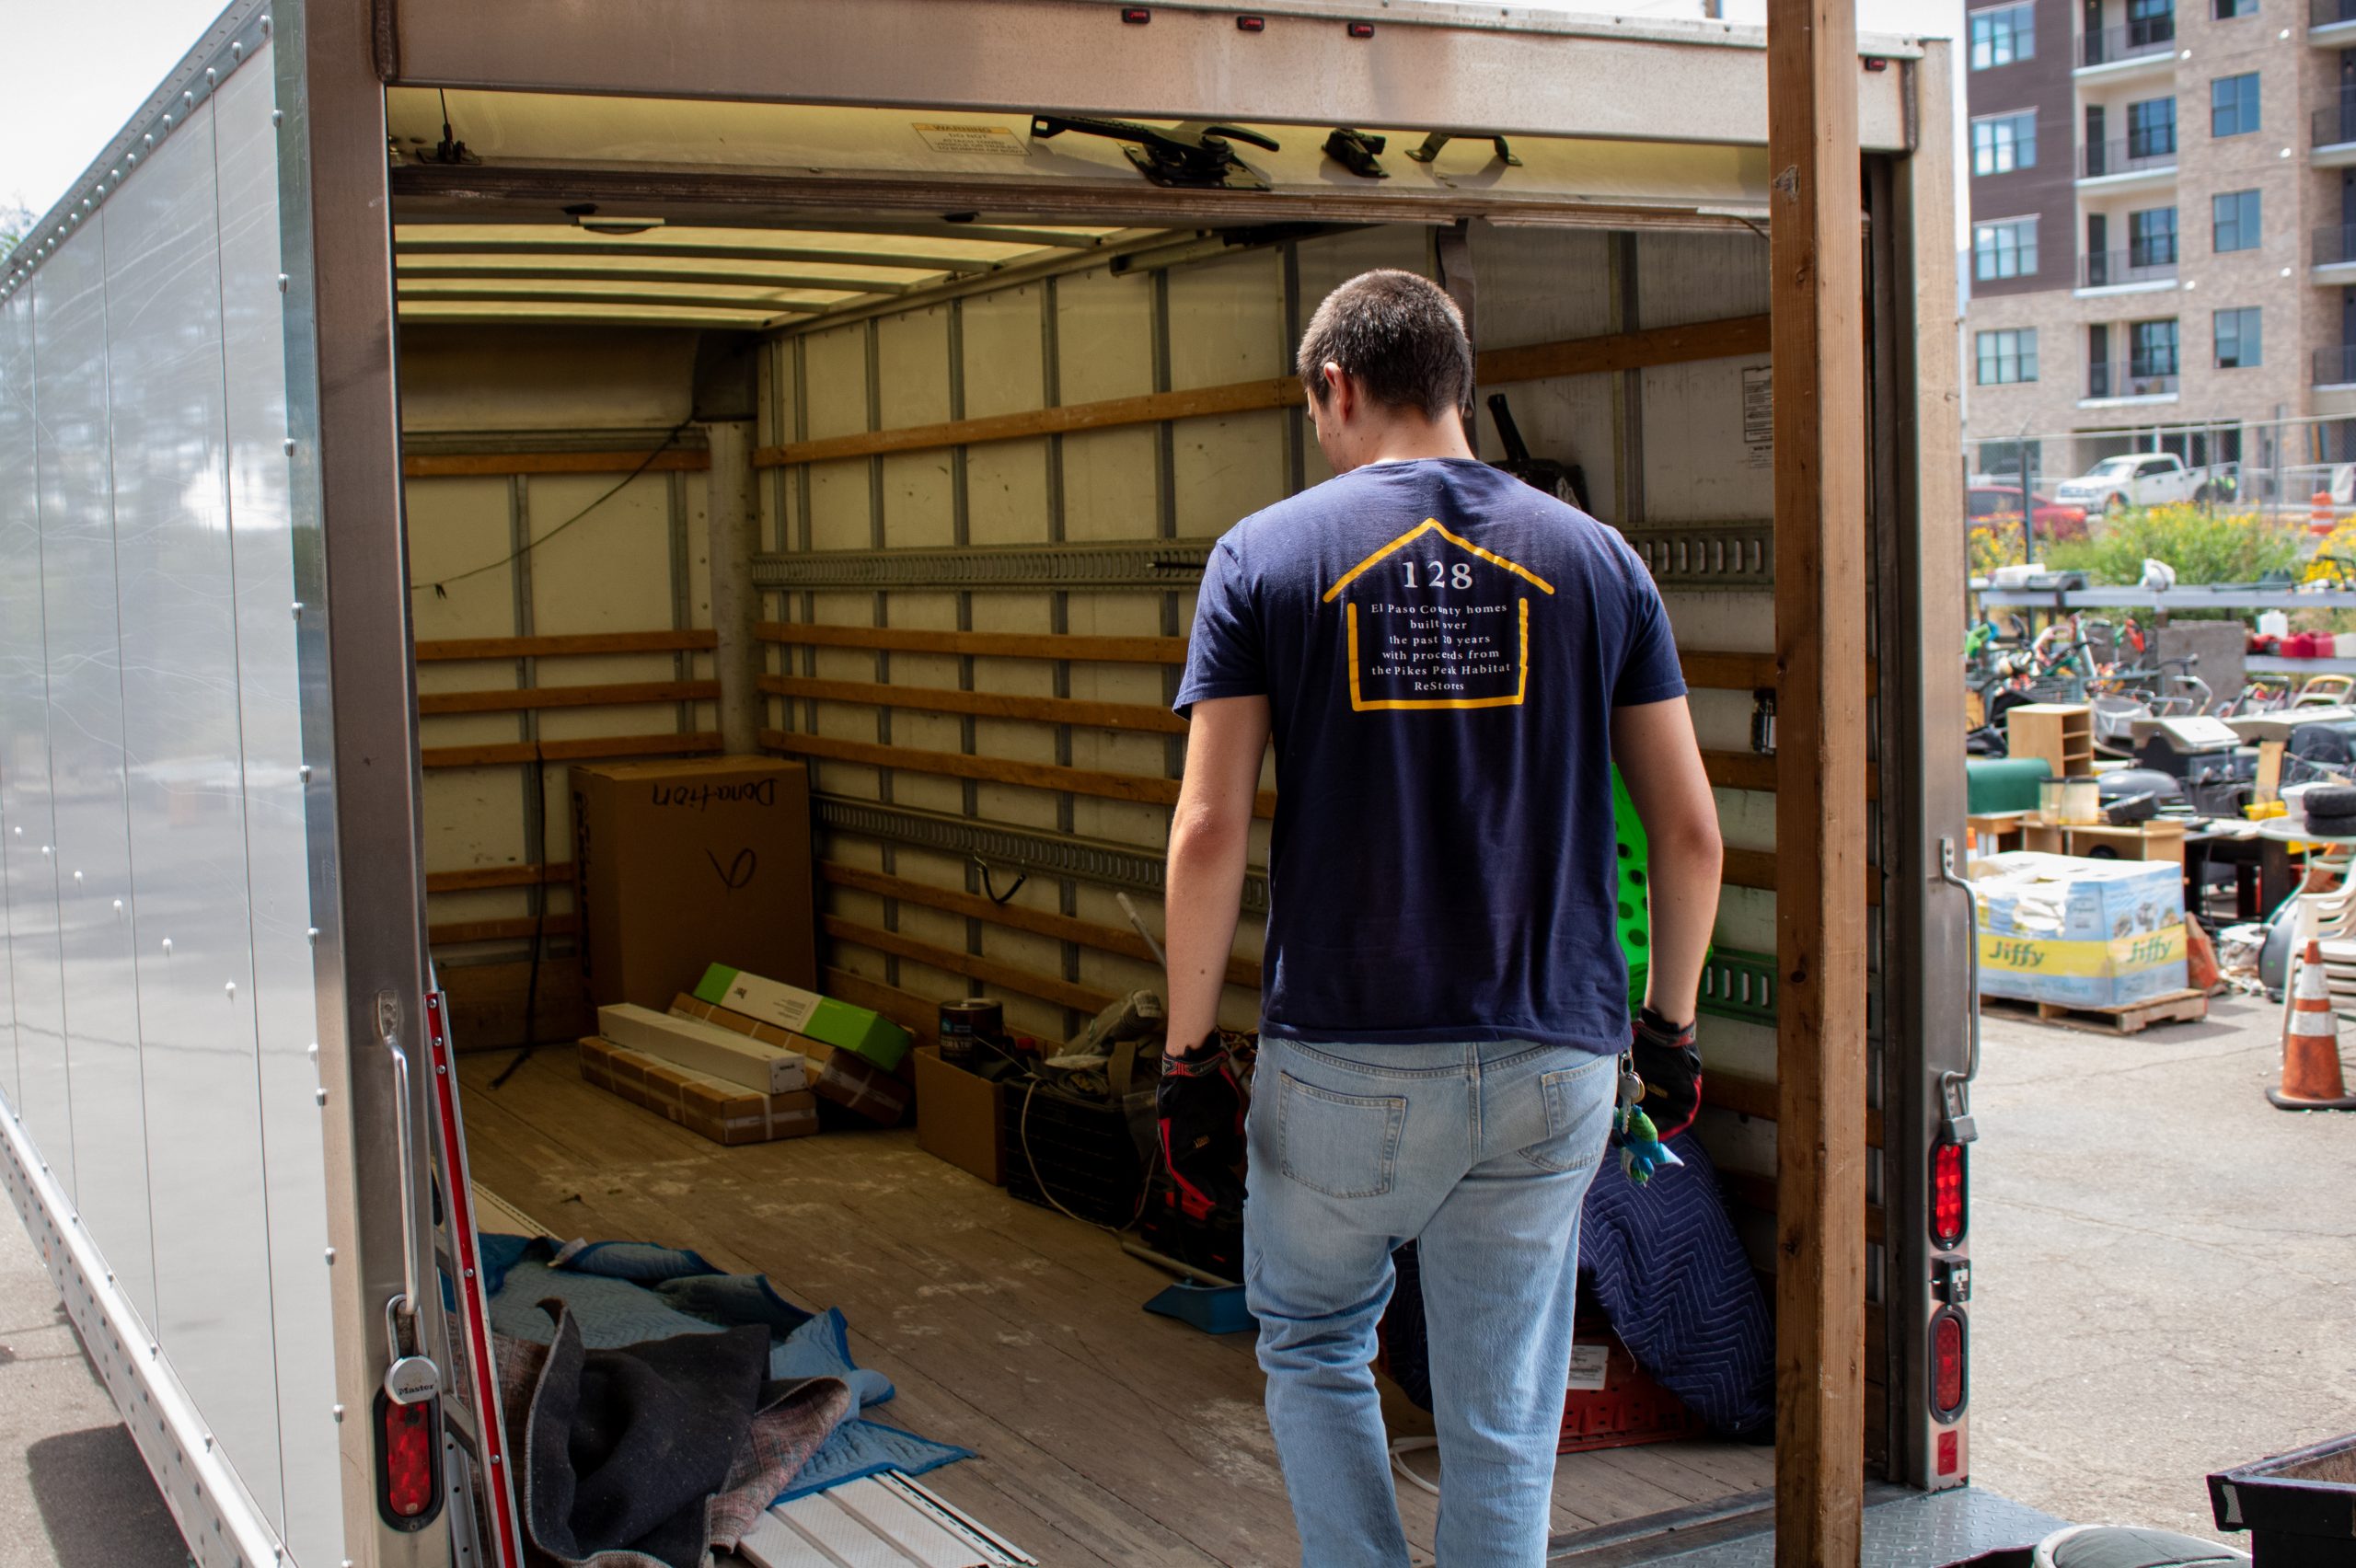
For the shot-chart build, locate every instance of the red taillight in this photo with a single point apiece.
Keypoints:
(1950, 1451)
(1946, 1194)
(1947, 1382)
(1362, 30)
(408, 1459)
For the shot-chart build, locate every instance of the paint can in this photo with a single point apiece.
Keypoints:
(964, 1022)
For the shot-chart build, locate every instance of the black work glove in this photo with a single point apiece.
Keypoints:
(1200, 1107)
(1670, 1064)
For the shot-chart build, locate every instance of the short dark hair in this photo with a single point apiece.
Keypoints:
(1399, 336)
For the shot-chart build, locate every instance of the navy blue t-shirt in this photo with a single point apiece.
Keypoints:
(1442, 646)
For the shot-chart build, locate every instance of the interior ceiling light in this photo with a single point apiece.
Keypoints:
(585, 216)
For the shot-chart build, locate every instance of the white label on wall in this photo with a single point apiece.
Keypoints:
(1758, 415)
(946, 138)
(1586, 1368)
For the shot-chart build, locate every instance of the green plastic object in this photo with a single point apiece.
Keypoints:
(2002, 783)
(1634, 916)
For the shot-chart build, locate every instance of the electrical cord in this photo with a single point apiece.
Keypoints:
(441, 585)
(1145, 1188)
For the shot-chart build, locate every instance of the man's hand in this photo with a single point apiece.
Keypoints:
(1200, 1107)
(1670, 1064)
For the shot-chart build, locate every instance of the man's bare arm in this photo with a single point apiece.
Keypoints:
(1208, 835)
(1661, 762)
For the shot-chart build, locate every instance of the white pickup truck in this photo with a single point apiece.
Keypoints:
(2143, 479)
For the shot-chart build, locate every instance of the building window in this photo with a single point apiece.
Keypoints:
(2150, 128)
(2003, 142)
(2007, 249)
(2150, 21)
(2006, 356)
(2232, 105)
(2002, 36)
(2151, 349)
(2226, 10)
(2237, 216)
(2151, 238)
(2240, 344)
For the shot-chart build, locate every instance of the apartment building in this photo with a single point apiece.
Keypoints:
(2163, 239)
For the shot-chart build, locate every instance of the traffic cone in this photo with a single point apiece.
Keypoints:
(2311, 1078)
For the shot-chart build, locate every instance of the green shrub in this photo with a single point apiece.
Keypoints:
(2203, 547)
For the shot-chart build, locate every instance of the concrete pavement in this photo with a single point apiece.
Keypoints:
(2164, 1266)
(74, 1493)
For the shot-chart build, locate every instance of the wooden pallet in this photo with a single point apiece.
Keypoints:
(2171, 1006)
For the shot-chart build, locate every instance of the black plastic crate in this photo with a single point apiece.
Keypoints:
(1078, 1152)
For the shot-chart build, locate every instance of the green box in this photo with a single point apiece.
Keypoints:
(863, 1033)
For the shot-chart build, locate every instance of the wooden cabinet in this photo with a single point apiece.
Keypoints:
(2060, 732)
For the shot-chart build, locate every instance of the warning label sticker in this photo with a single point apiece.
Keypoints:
(944, 138)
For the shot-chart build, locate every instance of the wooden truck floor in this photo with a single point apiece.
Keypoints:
(1106, 1435)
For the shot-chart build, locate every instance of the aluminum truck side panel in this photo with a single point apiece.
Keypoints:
(151, 706)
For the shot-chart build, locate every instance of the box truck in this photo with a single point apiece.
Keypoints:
(420, 398)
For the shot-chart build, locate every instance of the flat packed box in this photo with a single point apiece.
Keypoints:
(679, 863)
(961, 1117)
(805, 1012)
(2028, 894)
(2083, 974)
(855, 1084)
(725, 1112)
(718, 1053)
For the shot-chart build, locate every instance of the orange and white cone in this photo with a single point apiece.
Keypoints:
(2311, 1076)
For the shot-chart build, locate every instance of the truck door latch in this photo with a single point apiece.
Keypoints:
(1356, 151)
(1192, 157)
(1438, 139)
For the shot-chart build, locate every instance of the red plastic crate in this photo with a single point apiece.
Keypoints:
(1631, 1408)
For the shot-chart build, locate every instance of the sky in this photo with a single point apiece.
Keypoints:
(64, 92)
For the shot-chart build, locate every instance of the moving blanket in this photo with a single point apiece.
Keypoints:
(626, 1293)
(660, 1453)
(1664, 1263)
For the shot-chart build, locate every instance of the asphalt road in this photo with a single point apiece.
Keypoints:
(74, 1493)
(2164, 1266)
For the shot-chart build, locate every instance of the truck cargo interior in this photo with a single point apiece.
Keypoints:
(987, 451)
(775, 391)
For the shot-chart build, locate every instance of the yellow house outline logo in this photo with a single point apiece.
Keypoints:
(1360, 703)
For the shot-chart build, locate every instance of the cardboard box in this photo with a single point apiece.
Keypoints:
(805, 1012)
(725, 1112)
(2083, 974)
(716, 1053)
(853, 1082)
(679, 863)
(963, 1117)
(2059, 896)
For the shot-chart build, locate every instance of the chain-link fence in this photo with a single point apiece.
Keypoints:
(2276, 465)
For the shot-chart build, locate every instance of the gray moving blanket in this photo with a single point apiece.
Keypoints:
(660, 1453)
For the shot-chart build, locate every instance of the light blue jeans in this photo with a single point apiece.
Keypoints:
(1483, 1153)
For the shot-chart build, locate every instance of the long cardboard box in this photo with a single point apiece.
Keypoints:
(839, 1024)
(853, 1082)
(721, 1052)
(725, 1113)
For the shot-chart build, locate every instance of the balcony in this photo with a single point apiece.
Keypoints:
(2334, 254)
(2145, 270)
(2331, 22)
(2335, 366)
(2129, 162)
(2137, 49)
(2133, 380)
(2332, 130)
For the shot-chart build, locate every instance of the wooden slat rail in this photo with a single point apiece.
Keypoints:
(1059, 992)
(1756, 1097)
(1756, 867)
(1578, 356)
(1123, 716)
(452, 933)
(1754, 1191)
(478, 879)
(701, 743)
(1015, 917)
(484, 465)
(522, 699)
(982, 644)
(996, 770)
(446, 649)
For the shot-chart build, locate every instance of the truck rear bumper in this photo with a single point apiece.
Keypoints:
(1903, 1528)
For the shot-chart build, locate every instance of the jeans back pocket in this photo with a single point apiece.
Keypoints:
(1344, 1145)
(1578, 1116)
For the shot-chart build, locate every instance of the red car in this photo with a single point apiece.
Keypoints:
(2000, 503)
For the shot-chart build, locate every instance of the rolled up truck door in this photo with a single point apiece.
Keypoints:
(208, 793)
